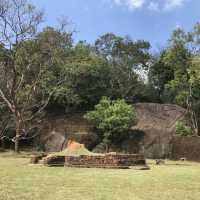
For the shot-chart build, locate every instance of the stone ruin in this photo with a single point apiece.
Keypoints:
(110, 160)
(120, 161)
(87, 159)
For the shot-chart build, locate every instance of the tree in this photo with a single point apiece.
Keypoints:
(20, 71)
(54, 51)
(194, 93)
(160, 73)
(113, 119)
(6, 124)
(181, 87)
(126, 58)
(88, 77)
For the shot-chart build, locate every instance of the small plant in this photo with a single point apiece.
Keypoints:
(182, 129)
(112, 119)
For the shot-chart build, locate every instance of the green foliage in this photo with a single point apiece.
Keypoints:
(176, 73)
(47, 70)
(125, 58)
(182, 129)
(84, 79)
(160, 74)
(112, 119)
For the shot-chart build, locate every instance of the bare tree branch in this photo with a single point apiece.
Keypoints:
(11, 107)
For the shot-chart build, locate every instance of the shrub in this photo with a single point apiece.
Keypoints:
(112, 119)
(182, 129)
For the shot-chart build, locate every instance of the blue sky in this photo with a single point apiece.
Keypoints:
(152, 20)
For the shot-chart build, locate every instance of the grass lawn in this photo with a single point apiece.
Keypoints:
(21, 181)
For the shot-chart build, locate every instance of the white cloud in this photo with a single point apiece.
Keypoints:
(131, 4)
(171, 4)
(153, 5)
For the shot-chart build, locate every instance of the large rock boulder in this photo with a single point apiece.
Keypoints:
(155, 128)
(56, 131)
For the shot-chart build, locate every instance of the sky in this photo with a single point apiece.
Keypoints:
(151, 20)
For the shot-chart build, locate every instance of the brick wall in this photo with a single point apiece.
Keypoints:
(54, 161)
(98, 161)
(110, 161)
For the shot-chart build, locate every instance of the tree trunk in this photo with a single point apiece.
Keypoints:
(107, 148)
(17, 134)
(17, 139)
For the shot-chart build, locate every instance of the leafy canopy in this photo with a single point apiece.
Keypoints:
(112, 119)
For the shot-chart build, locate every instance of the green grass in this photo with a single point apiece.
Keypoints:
(21, 181)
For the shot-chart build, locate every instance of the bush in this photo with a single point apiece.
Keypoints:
(182, 129)
(113, 119)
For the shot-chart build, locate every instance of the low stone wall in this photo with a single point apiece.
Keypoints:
(99, 161)
(54, 161)
(186, 147)
(105, 161)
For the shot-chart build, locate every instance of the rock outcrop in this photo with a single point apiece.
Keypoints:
(157, 122)
(152, 135)
(56, 131)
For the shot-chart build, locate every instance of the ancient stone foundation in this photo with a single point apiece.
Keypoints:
(106, 161)
(98, 161)
(54, 161)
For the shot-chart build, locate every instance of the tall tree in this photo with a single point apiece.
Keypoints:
(181, 57)
(88, 76)
(18, 26)
(160, 73)
(125, 57)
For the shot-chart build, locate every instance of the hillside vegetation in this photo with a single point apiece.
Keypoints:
(44, 71)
